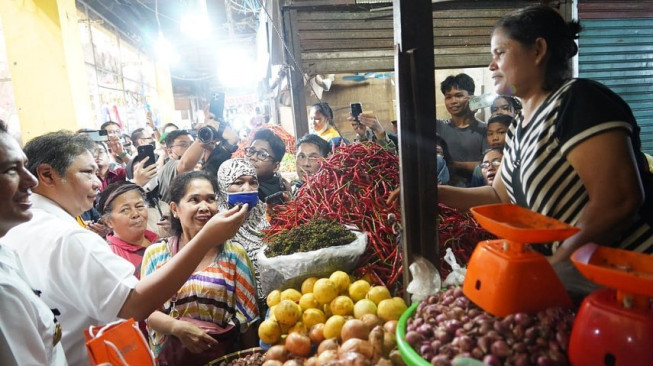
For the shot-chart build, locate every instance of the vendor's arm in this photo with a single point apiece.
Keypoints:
(606, 165)
(153, 290)
(464, 198)
(192, 336)
(467, 166)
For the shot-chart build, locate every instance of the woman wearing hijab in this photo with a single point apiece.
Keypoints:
(237, 182)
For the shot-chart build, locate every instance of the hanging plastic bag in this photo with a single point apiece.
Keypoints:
(457, 275)
(426, 280)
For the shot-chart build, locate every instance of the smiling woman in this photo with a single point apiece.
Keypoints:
(222, 288)
(123, 209)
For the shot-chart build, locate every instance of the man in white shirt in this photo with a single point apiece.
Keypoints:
(74, 269)
(29, 332)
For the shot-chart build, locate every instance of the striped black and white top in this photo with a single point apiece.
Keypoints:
(536, 154)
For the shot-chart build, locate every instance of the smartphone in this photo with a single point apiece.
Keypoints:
(98, 136)
(356, 109)
(146, 151)
(216, 106)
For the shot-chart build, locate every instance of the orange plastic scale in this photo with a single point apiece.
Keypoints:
(505, 276)
(614, 326)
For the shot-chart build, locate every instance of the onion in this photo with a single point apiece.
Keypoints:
(484, 343)
(425, 330)
(520, 348)
(277, 352)
(466, 343)
(500, 349)
(354, 328)
(545, 361)
(451, 325)
(414, 339)
(523, 319)
(447, 300)
(292, 362)
(435, 345)
(354, 359)
(520, 359)
(272, 363)
(440, 335)
(327, 356)
(357, 345)
(492, 360)
(432, 299)
(458, 292)
(563, 339)
(478, 353)
(298, 344)
(331, 343)
(432, 310)
(440, 360)
(440, 318)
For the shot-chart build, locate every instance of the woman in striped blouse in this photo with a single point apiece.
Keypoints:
(574, 152)
(222, 290)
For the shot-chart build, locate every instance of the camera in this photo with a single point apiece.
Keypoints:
(208, 134)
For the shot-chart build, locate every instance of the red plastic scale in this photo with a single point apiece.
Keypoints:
(614, 326)
(506, 276)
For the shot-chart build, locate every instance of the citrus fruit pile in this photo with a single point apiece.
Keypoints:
(327, 314)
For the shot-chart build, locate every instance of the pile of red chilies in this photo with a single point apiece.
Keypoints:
(460, 232)
(351, 187)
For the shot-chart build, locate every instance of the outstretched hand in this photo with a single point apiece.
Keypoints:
(223, 225)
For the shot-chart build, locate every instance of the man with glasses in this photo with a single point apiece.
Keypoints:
(265, 153)
(184, 154)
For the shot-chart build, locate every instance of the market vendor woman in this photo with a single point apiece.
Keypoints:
(574, 153)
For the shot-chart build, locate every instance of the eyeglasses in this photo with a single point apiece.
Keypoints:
(505, 107)
(182, 144)
(260, 154)
(486, 164)
(99, 152)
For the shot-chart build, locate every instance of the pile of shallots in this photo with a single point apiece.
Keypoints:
(449, 325)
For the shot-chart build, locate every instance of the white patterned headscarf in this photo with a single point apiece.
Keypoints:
(250, 232)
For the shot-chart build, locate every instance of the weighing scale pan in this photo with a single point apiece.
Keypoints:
(504, 276)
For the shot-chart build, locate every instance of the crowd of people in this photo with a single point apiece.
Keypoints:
(92, 230)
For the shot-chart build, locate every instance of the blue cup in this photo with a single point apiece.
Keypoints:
(243, 197)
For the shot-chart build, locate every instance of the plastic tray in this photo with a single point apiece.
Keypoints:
(521, 225)
(619, 269)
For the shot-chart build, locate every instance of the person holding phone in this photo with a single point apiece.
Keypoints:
(119, 154)
(368, 128)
